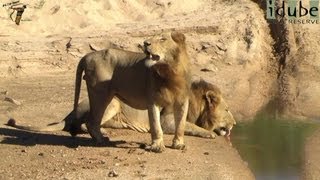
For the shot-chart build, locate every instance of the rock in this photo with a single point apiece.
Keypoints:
(23, 150)
(102, 162)
(68, 45)
(206, 70)
(11, 100)
(131, 151)
(11, 122)
(142, 146)
(4, 92)
(221, 47)
(93, 47)
(55, 9)
(205, 45)
(113, 173)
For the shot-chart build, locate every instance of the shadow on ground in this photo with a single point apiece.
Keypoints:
(26, 138)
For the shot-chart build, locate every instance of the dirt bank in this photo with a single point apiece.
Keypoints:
(297, 53)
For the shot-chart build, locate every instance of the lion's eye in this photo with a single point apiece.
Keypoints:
(163, 39)
(227, 110)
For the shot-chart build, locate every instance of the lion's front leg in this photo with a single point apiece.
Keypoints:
(157, 144)
(180, 116)
(194, 130)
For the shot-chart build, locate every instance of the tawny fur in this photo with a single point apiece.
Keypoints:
(136, 80)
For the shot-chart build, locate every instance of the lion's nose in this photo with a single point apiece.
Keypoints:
(147, 43)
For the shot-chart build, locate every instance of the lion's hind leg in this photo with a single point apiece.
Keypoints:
(99, 97)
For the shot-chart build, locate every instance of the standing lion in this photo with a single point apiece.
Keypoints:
(158, 78)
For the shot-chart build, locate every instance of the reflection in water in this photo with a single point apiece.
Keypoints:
(273, 148)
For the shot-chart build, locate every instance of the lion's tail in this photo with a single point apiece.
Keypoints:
(79, 72)
(58, 126)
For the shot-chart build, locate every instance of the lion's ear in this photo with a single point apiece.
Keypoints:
(178, 37)
(213, 98)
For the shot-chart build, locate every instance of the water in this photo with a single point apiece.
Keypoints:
(273, 148)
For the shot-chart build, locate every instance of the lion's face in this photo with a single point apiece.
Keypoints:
(224, 120)
(217, 114)
(162, 48)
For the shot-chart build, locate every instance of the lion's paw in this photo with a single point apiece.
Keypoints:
(208, 135)
(178, 145)
(212, 135)
(156, 147)
(101, 142)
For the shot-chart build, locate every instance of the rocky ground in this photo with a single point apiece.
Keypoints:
(230, 43)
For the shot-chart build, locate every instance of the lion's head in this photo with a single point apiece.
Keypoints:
(163, 48)
(215, 114)
(224, 120)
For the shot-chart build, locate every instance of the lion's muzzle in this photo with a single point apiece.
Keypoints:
(222, 131)
(149, 53)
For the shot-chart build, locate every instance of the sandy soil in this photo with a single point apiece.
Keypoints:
(57, 155)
